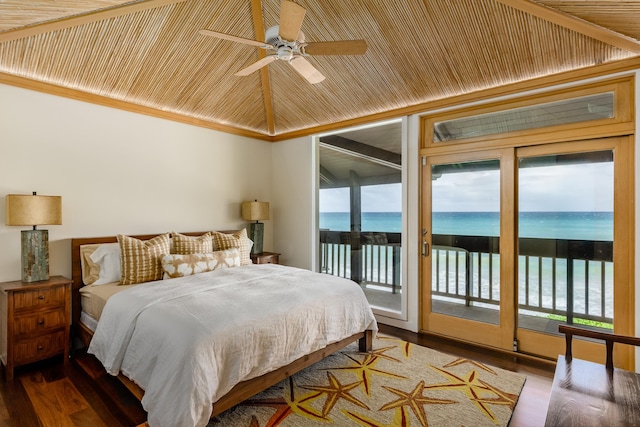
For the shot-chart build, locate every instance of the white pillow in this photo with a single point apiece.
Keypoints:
(107, 256)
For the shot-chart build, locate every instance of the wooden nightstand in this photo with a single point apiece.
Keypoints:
(266, 258)
(35, 321)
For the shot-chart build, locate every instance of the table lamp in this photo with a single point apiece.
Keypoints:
(255, 211)
(34, 210)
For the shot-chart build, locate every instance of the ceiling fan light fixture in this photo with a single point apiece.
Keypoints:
(285, 53)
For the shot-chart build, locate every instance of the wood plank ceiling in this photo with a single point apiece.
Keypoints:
(148, 56)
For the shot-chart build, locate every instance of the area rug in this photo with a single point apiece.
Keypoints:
(397, 384)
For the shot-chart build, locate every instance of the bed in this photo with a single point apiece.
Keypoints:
(243, 351)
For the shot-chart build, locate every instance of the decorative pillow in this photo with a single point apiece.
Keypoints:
(238, 240)
(141, 258)
(191, 245)
(107, 256)
(177, 265)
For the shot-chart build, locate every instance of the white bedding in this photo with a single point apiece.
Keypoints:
(188, 341)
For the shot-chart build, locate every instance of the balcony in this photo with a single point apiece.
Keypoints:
(372, 259)
(558, 279)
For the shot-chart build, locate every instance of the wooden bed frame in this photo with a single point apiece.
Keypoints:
(241, 391)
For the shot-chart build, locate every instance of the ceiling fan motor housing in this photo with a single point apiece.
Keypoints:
(272, 37)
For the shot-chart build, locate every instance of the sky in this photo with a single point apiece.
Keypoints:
(566, 188)
(375, 198)
(583, 187)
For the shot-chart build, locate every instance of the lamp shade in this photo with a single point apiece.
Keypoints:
(33, 210)
(255, 211)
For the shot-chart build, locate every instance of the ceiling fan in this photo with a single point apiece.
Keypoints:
(286, 42)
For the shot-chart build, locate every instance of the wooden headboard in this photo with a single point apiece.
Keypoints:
(76, 265)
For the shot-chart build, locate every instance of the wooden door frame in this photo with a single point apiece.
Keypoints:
(501, 335)
(623, 253)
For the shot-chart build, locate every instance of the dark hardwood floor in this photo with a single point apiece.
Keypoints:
(47, 394)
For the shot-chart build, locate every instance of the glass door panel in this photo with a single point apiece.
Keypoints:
(565, 241)
(465, 226)
(360, 212)
(573, 240)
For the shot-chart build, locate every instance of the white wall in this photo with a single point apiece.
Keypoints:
(121, 172)
(294, 207)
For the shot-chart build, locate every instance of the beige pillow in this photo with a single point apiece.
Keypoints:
(238, 240)
(183, 245)
(141, 258)
(90, 269)
(176, 265)
(100, 263)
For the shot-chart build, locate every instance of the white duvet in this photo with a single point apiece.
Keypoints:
(188, 341)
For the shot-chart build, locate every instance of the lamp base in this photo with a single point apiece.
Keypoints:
(35, 255)
(256, 233)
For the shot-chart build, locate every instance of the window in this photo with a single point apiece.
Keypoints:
(360, 211)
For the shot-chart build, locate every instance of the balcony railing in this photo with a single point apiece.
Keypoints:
(572, 278)
(369, 258)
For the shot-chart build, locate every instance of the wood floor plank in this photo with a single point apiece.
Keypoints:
(87, 417)
(68, 396)
(531, 409)
(18, 404)
(4, 411)
(45, 401)
(100, 403)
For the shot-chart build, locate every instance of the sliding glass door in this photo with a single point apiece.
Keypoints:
(527, 220)
(361, 198)
(572, 268)
(519, 240)
(464, 245)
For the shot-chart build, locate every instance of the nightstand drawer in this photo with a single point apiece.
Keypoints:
(266, 258)
(38, 323)
(35, 322)
(39, 298)
(39, 348)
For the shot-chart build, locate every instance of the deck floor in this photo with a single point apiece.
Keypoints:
(492, 316)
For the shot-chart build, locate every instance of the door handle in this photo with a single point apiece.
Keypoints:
(425, 248)
(425, 244)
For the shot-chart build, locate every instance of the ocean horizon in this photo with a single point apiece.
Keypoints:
(549, 225)
(555, 225)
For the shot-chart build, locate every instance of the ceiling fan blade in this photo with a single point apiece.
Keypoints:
(308, 71)
(233, 38)
(343, 47)
(291, 16)
(256, 65)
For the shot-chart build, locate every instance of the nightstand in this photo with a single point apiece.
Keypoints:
(266, 258)
(35, 321)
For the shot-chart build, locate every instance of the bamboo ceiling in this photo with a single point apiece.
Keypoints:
(148, 56)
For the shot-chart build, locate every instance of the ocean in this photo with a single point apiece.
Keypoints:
(551, 225)
(554, 225)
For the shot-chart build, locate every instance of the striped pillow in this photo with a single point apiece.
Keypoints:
(141, 258)
(239, 240)
(176, 265)
(184, 245)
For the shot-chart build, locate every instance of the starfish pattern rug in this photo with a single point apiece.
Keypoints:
(397, 384)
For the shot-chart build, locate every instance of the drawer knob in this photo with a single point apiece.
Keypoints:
(40, 348)
(41, 322)
(40, 297)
